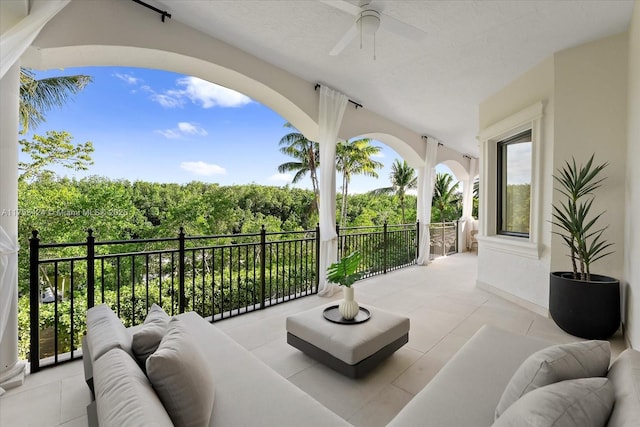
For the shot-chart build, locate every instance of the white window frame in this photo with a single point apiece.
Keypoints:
(528, 119)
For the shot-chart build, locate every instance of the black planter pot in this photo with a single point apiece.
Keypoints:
(588, 310)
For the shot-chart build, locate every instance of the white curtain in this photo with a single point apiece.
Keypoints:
(332, 106)
(15, 41)
(466, 222)
(426, 180)
(8, 279)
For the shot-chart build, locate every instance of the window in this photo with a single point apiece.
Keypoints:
(514, 185)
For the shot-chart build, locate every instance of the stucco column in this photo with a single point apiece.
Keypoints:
(11, 370)
(466, 223)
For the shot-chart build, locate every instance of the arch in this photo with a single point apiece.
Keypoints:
(461, 174)
(82, 34)
(399, 146)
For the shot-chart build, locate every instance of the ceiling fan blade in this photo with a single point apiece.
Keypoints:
(344, 6)
(345, 40)
(402, 29)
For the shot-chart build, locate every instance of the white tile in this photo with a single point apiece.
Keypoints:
(283, 358)
(424, 369)
(75, 396)
(441, 300)
(36, 407)
(382, 408)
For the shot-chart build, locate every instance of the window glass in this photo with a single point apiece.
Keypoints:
(514, 185)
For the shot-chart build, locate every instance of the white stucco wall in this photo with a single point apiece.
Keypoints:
(523, 278)
(584, 92)
(631, 280)
(591, 117)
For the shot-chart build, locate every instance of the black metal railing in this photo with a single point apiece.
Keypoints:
(383, 248)
(217, 276)
(443, 239)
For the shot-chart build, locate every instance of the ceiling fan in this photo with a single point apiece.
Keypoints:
(369, 16)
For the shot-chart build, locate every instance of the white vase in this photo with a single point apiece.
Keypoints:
(348, 306)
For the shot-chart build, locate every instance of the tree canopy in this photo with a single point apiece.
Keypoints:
(38, 96)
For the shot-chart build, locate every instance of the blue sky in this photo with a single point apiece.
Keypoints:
(161, 126)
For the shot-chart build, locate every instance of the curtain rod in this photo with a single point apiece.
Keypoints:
(163, 13)
(353, 102)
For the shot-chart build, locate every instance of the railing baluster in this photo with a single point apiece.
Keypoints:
(417, 240)
(182, 298)
(173, 283)
(222, 304)
(90, 269)
(55, 311)
(146, 280)
(133, 291)
(160, 280)
(385, 240)
(102, 279)
(118, 285)
(34, 301)
(204, 281)
(263, 265)
(72, 326)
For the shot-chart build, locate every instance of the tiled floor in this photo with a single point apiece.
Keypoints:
(445, 310)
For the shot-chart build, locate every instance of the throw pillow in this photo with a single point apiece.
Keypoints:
(180, 375)
(147, 339)
(556, 363)
(585, 402)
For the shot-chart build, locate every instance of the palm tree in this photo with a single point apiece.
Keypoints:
(354, 158)
(403, 178)
(444, 193)
(39, 96)
(306, 152)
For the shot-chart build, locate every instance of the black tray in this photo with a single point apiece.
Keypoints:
(332, 314)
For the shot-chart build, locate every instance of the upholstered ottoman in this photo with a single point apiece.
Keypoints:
(351, 349)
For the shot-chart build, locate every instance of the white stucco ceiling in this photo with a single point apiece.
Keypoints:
(433, 86)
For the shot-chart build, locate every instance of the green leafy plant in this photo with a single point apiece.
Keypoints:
(344, 272)
(573, 216)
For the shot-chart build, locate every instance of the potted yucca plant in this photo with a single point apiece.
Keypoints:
(345, 273)
(580, 302)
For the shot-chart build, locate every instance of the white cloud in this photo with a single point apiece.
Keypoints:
(280, 177)
(379, 155)
(198, 91)
(169, 133)
(209, 94)
(183, 128)
(202, 168)
(128, 78)
(191, 129)
(167, 101)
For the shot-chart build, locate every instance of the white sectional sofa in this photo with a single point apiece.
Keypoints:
(465, 392)
(468, 388)
(247, 392)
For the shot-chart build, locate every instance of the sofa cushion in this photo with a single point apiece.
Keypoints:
(124, 395)
(105, 331)
(147, 338)
(556, 363)
(250, 393)
(180, 375)
(584, 402)
(625, 376)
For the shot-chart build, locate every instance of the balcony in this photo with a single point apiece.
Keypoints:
(445, 308)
